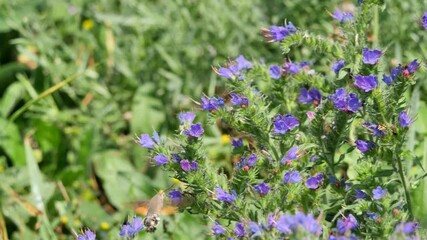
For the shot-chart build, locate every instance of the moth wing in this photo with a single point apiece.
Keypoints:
(169, 210)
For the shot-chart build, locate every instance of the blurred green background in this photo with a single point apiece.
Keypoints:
(69, 160)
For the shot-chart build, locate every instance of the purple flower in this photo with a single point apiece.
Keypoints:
(291, 154)
(374, 128)
(237, 143)
(252, 160)
(312, 96)
(387, 79)
(175, 157)
(314, 182)
(407, 228)
(262, 188)
(364, 146)
(196, 130)
(360, 194)
(353, 103)
(217, 229)
(413, 66)
(146, 141)
(185, 165)
(337, 66)
(221, 195)
(378, 193)
(292, 68)
(396, 71)
(187, 117)
(346, 224)
(366, 83)
(342, 16)
(237, 100)
(175, 197)
(271, 221)
(242, 63)
(254, 228)
(225, 73)
(87, 235)
(194, 166)
(132, 229)
(285, 224)
(278, 33)
(404, 119)
(371, 56)
(239, 230)
(346, 102)
(292, 177)
(161, 159)
(211, 104)
(275, 72)
(283, 124)
(372, 215)
(424, 20)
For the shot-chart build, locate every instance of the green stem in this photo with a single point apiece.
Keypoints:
(405, 187)
(43, 95)
(375, 29)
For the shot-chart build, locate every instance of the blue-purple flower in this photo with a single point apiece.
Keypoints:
(346, 102)
(176, 197)
(275, 72)
(337, 66)
(185, 165)
(239, 101)
(424, 20)
(283, 124)
(132, 229)
(239, 230)
(292, 68)
(262, 188)
(342, 16)
(291, 154)
(407, 228)
(346, 224)
(292, 177)
(148, 142)
(404, 119)
(196, 130)
(288, 224)
(371, 56)
(309, 96)
(412, 66)
(211, 104)
(314, 182)
(364, 146)
(86, 235)
(255, 229)
(187, 117)
(252, 160)
(161, 159)
(237, 142)
(378, 193)
(366, 83)
(360, 194)
(223, 196)
(234, 69)
(271, 221)
(218, 229)
(278, 33)
(372, 215)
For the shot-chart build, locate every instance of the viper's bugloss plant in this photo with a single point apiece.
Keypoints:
(294, 129)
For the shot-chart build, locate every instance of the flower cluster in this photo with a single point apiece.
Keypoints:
(315, 143)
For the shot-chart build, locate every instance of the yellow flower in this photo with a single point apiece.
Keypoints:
(104, 226)
(64, 219)
(88, 24)
(225, 139)
(176, 181)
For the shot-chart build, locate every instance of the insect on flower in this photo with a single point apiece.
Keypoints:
(155, 207)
